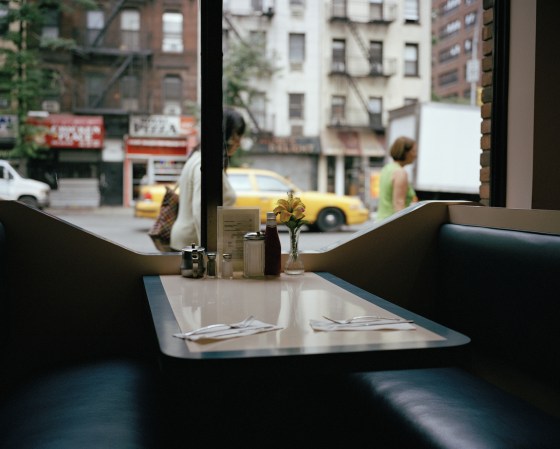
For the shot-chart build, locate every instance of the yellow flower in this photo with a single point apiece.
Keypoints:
(291, 211)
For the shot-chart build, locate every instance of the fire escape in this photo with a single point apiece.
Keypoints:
(380, 14)
(114, 54)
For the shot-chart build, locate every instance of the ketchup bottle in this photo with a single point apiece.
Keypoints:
(272, 249)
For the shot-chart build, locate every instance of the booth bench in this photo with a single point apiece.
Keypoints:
(501, 288)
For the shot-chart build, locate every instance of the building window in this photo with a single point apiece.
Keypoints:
(338, 55)
(296, 131)
(408, 101)
(95, 83)
(296, 50)
(50, 21)
(5, 91)
(172, 95)
(411, 60)
(376, 58)
(448, 78)
(338, 110)
(450, 29)
(339, 8)
(375, 10)
(449, 53)
(4, 24)
(172, 32)
(130, 87)
(257, 107)
(411, 11)
(257, 5)
(470, 19)
(95, 21)
(295, 106)
(375, 109)
(130, 29)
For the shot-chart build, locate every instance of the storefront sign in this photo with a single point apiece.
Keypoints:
(161, 126)
(287, 145)
(70, 131)
(170, 147)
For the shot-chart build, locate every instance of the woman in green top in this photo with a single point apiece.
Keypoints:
(395, 192)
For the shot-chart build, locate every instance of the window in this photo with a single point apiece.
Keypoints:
(411, 11)
(376, 58)
(257, 5)
(129, 92)
(95, 84)
(448, 78)
(5, 90)
(470, 19)
(50, 22)
(172, 32)
(95, 21)
(411, 60)
(172, 95)
(450, 29)
(270, 184)
(375, 108)
(240, 182)
(338, 55)
(338, 109)
(408, 101)
(295, 106)
(258, 108)
(449, 53)
(339, 8)
(375, 10)
(130, 29)
(4, 24)
(296, 50)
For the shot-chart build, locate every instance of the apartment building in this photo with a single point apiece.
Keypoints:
(457, 50)
(120, 94)
(343, 64)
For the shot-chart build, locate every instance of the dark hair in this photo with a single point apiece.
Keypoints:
(234, 123)
(400, 147)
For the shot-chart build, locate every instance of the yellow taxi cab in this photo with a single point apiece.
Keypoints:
(262, 188)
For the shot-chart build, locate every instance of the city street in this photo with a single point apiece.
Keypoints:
(119, 225)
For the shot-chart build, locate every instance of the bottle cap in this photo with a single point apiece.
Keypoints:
(254, 236)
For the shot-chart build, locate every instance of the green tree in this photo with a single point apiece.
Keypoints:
(20, 64)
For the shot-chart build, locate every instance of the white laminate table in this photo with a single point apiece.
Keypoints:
(179, 304)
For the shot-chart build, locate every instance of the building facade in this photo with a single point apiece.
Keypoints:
(457, 50)
(343, 64)
(131, 61)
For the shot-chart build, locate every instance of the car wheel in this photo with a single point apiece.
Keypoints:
(30, 201)
(329, 220)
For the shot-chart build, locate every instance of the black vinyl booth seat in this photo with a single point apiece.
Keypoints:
(500, 288)
(94, 403)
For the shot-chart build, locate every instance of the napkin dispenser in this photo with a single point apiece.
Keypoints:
(192, 262)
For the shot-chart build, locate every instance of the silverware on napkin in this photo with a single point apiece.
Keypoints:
(248, 326)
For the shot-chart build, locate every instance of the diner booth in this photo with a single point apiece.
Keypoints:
(90, 358)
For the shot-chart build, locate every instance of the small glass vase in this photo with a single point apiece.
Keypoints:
(294, 264)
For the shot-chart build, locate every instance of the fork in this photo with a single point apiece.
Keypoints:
(361, 319)
(216, 327)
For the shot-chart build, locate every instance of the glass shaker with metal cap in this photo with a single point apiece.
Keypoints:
(253, 254)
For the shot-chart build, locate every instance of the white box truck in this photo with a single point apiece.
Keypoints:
(15, 187)
(448, 138)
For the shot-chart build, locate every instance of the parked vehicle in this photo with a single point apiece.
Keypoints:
(262, 188)
(15, 187)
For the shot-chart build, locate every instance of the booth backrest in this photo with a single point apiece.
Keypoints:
(3, 287)
(502, 289)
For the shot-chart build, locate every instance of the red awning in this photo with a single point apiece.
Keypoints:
(168, 147)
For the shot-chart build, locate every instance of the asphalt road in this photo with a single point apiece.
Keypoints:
(119, 225)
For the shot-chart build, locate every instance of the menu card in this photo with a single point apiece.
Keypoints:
(233, 224)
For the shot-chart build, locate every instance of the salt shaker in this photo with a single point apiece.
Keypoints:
(253, 254)
(227, 266)
(211, 265)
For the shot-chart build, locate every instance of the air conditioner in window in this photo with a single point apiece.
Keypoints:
(172, 109)
(51, 106)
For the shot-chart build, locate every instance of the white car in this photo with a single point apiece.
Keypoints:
(15, 187)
